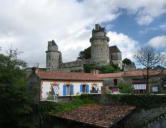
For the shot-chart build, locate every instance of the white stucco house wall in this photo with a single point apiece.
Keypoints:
(65, 83)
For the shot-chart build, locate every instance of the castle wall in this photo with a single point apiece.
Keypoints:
(116, 56)
(75, 66)
(72, 69)
(117, 62)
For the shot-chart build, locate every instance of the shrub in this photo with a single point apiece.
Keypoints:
(124, 88)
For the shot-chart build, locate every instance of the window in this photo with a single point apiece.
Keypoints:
(30, 88)
(84, 88)
(56, 90)
(115, 82)
(164, 85)
(68, 90)
(155, 89)
(139, 88)
(94, 89)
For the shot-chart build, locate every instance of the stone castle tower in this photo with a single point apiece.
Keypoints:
(99, 46)
(53, 56)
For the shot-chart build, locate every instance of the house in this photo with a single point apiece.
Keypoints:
(44, 83)
(137, 80)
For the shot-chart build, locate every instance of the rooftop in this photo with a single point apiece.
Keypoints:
(132, 73)
(98, 115)
(114, 49)
(53, 75)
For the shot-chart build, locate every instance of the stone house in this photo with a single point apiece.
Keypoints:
(137, 80)
(44, 83)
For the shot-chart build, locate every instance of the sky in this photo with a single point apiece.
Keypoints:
(28, 25)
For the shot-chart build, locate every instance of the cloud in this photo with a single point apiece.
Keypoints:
(127, 45)
(158, 42)
(28, 25)
(161, 27)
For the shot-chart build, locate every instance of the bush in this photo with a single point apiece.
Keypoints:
(140, 101)
(102, 69)
(124, 88)
(58, 108)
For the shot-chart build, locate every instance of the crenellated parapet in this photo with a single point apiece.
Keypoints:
(99, 33)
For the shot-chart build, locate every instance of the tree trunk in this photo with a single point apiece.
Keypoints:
(147, 81)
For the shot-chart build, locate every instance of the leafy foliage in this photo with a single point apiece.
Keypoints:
(141, 101)
(127, 61)
(85, 54)
(124, 88)
(102, 69)
(15, 99)
(58, 108)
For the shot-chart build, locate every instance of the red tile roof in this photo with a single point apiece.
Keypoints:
(132, 73)
(98, 115)
(143, 72)
(53, 75)
(111, 75)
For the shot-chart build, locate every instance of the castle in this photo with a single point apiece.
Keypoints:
(101, 54)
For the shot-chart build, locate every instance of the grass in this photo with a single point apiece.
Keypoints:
(60, 107)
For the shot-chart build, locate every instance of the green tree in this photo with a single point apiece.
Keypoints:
(85, 54)
(15, 98)
(124, 88)
(127, 61)
(102, 69)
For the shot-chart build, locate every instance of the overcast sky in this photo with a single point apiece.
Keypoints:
(27, 25)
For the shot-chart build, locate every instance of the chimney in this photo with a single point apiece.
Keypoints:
(95, 72)
(97, 27)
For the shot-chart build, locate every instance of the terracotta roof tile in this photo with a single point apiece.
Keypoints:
(66, 76)
(98, 115)
(111, 75)
(132, 73)
(143, 72)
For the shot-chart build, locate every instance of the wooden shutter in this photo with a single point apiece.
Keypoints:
(87, 88)
(64, 90)
(72, 89)
(81, 88)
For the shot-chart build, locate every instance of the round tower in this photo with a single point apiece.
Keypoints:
(53, 56)
(99, 46)
(115, 56)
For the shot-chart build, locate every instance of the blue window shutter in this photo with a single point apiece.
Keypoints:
(81, 87)
(64, 90)
(72, 89)
(30, 88)
(87, 88)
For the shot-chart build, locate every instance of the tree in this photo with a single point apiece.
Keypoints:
(127, 61)
(148, 57)
(124, 88)
(85, 54)
(102, 69)
(15, 98)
